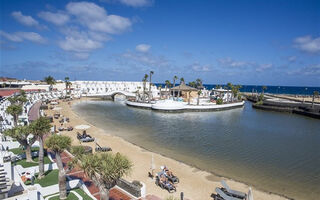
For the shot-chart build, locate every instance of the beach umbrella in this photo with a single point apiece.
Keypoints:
(250, 196)
(82, 127)
(152, 167)
(57, 108)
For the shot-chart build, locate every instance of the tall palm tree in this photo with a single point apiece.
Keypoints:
(59, 143)
(150, 76)
(174, 81)
(50, 81)
(40, 128)
(22, 135)
(264, 88)
(315, 94)
(144, 80)
(167, 82)
(105, 169)
(229, 87)
(15, 111)
(181, 82)
(68, 84)
(198, 100)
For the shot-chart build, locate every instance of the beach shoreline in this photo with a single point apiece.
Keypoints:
(191, 177)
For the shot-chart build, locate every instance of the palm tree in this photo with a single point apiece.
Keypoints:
(68, 84)
(181, 82)
(150, 76)
(315, 94)
(174, 80)
(264, 88)
(105, 169)
(167, 82)
(15, 111)
(50, 81)
(40, 128)
(144, 80)
(229, 87)
(59, 143)
(21, 134)
(198, 100)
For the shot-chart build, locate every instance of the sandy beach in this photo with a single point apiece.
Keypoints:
(196, 184)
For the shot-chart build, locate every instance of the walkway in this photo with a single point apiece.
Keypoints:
(34, 112)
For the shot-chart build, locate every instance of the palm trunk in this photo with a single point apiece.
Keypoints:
(149, 90)
(198, 100)
(28, 153)
(104, 193)
(144, 89)
(189, 98)
(62, 177)
(313, 101)
(15, 120)
(41, 155)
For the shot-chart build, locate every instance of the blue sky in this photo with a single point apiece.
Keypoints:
(241, 41)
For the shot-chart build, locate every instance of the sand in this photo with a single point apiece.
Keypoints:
(194, 183)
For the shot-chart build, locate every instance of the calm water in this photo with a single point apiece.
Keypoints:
(273, 151)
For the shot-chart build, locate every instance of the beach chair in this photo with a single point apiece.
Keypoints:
(223, 196)
(167, 186)
(226, 189)
(102, 149)
(87, 139)
(173, 178)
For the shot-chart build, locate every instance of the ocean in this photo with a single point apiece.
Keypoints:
(292, 90)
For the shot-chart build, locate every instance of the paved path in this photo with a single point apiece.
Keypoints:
(34, 112)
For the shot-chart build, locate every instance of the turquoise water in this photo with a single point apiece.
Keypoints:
(273, 151)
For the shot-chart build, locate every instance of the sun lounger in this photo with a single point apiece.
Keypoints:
(226, 189)
(168, 185)
(102, 149)
(87, 139)
(223, 196)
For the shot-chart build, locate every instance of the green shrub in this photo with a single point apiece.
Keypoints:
(219, 101)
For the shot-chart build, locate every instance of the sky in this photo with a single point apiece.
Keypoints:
(247, 42)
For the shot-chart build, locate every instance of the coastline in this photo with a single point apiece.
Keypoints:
(195, 183)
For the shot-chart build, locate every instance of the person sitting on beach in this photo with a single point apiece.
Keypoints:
(167, 171)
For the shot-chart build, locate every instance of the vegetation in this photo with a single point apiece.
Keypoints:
(315, 94)
(40, 128)
(105, 169)
(144, 80)
(68, 84)
(264, 88)
(219, 101)
(71, 196)
(261, 97)
(21, 133)
(259, 102)
(149, 94)
(59, 143)
(21, 151)
(51, 178)
(25, 164)
(168, 85)
(77, 151)
(50, 81)
(171, 198)
(198, 100)
(15, 111)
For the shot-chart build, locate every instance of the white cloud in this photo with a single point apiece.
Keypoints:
(79, 44)
(229, 62)
(263, 67)
(312, 70)
(136, 3)
(143, 48)
(200, 68)
(23, 19)
(95, 18)
(292, 58)
(307, 44)
(21, 36)
(146, 59)
(55, 18)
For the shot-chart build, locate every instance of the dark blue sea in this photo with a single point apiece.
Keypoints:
(294, 90)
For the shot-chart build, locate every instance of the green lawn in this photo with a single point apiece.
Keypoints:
(21, 151)
(51, 178)
(71, 196)
(26, 164)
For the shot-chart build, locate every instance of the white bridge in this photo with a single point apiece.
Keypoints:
(112, 94)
